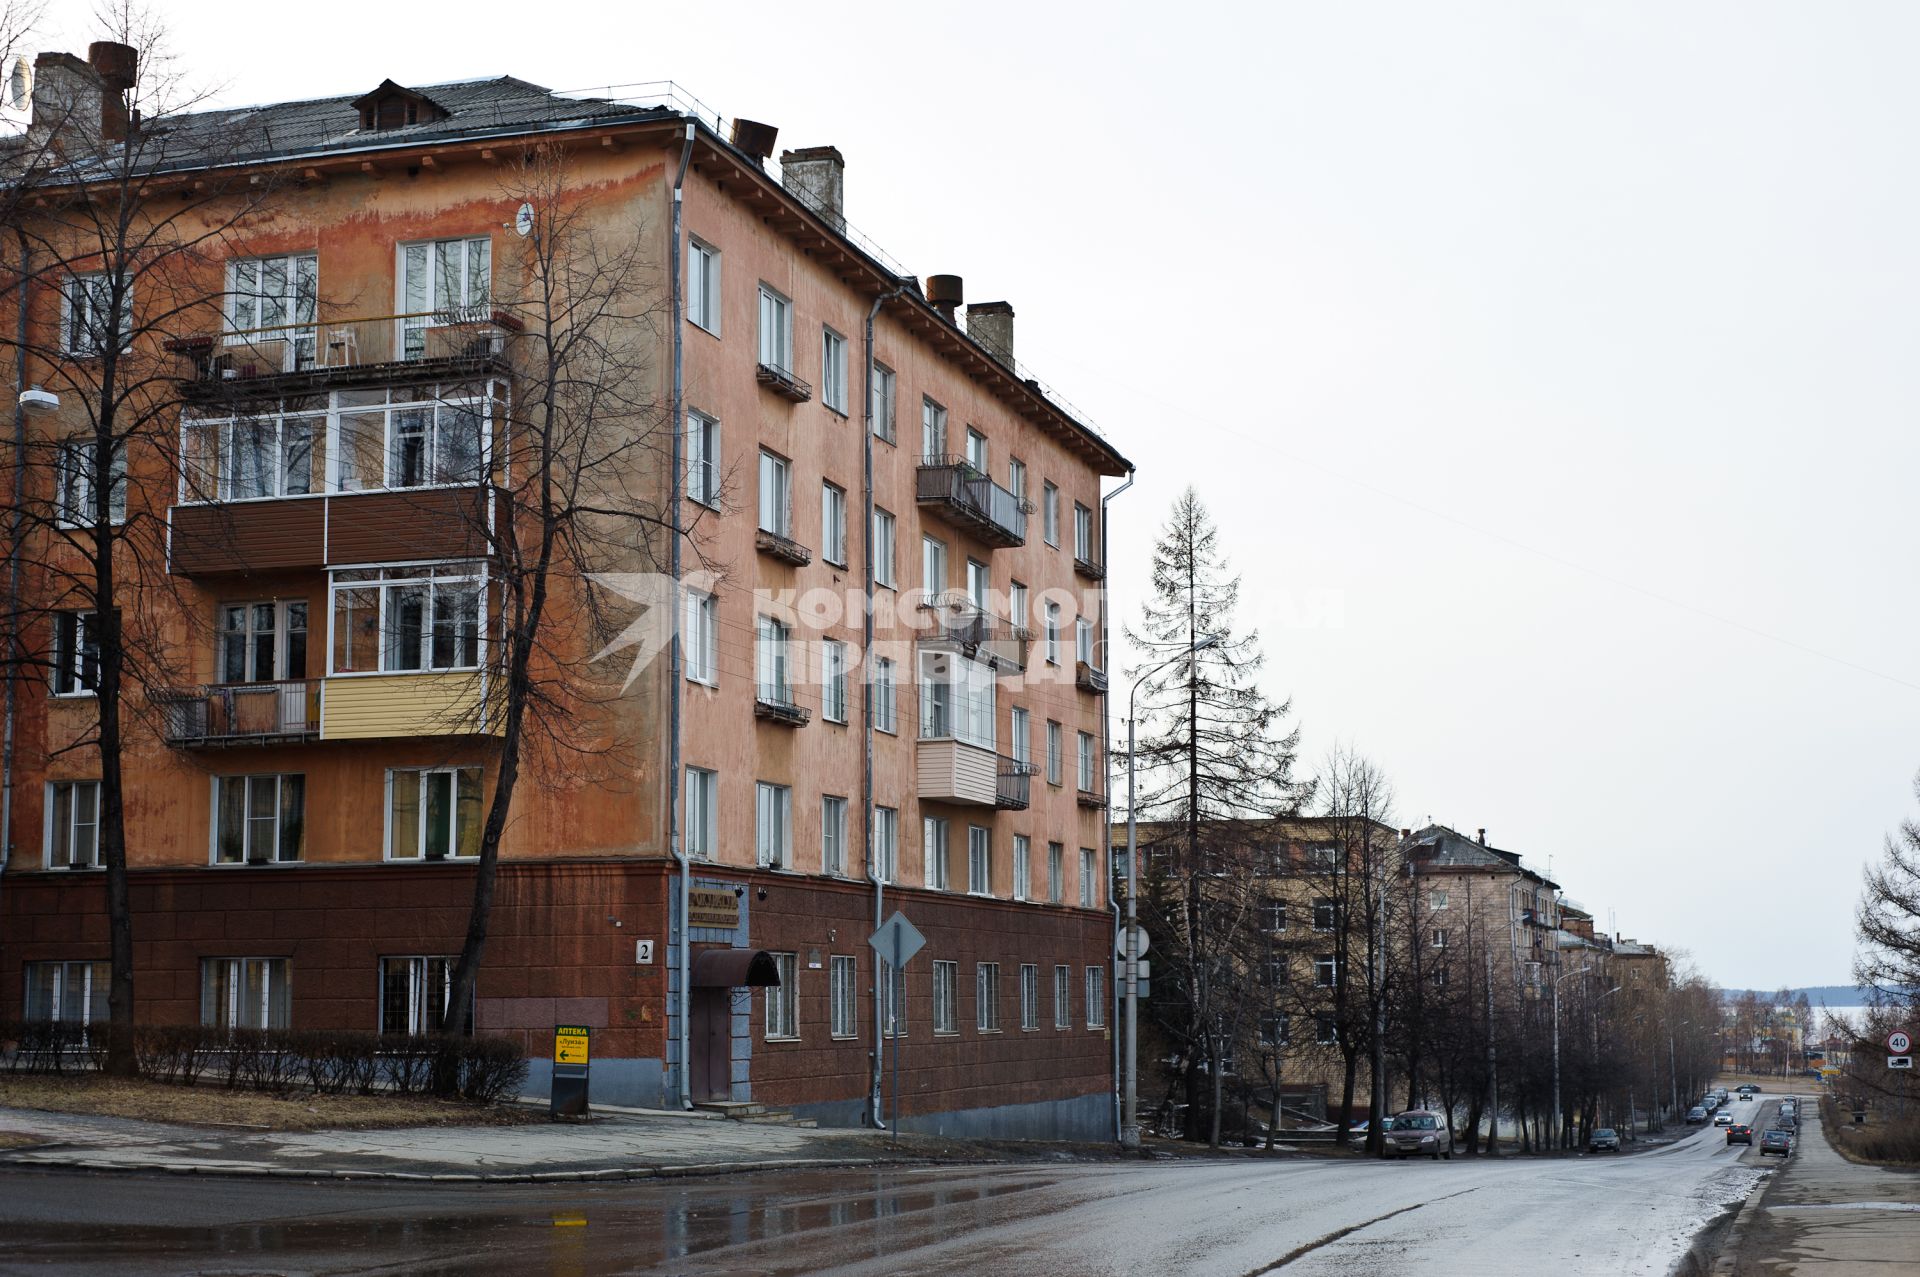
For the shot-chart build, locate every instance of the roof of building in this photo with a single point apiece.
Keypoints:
(1438, 846)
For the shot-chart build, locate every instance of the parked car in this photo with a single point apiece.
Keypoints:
(1776, 1141)
(1739, 1133)
(1696, 1116)
(1790, 1108)
(1748, 1091)
(1723, 1118)
(1786, 1123)
(1419, 1133)
(1604, 1140)
(1709, 1102)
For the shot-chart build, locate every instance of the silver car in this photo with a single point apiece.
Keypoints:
(1419, 1133)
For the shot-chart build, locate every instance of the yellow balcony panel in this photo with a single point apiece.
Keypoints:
(951, 771)
(386, 706)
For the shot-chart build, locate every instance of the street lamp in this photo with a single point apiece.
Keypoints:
(1129, 1118)
(38, 402)
(1559, 1117)
(1673, 1071)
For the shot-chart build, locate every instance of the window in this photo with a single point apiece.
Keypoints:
(1438, 977)
(776, 494)
(433, 814)
(1096, 997)
(261, 642)
(987, 997)
(267, 455)
(956, 699)
(1063, 997)
(833, 371)
(979, 584)
(976, 450)
(933, 850)
(833, 835)
(1053, 633)
(1029, 997)
(244, 993)
(700, 643)
(882, 548)
(895, 990)
(979, 860)
(1056, 872)
(1437, 900)
(278, 295)
(703, 459)
(703, 285)
(843, 997)
(76, 654)
(1082, 533)
(1083, 641)
(1017, 603)
(886, 715)
(414, 994)
(1089, 878)
(783, 1002)
(933, 566)
(1056, 748)
(933, 432)
(73, 824)
(1324, 857)
(773, 674)
(886, 844)
(1020, 729)
(702, 816)
(833, 524)
(946, 993)
(1273, 1029)
(1087, 759)
(74, 471)
(87, 302)
(773, 825)
(1276, 972)
(1326, 914)
(443, 444)
(833, 679)
(258, 819)
(1050, 513)
(1022, 865)
(776, 330)
(1017, 478)
(402, 619)
(1439, 937)
(1273, 914)
(1326, 1029)
(68, 992)
(406, 438)
(444, 282)
(1326, 971)
(882, 405)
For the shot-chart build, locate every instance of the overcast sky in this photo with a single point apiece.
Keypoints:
(1549, 368)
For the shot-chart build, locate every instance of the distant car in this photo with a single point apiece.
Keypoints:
(1748, 1091)
(1786, 1123)
(1776, 1141)
(1723, 1118)
(1419, 1133)
(1739, 1133)
(1710, 1102)
(1604, 1140)
(1696, 1116)
(1790, 1108)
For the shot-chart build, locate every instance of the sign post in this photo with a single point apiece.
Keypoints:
(895, 943)
(572, 1055)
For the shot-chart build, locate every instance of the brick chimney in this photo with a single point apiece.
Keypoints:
(991, 324)
(118, 66)
(818, 175)
(1483, 837)
(87, 100)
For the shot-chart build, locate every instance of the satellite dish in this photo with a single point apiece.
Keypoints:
(523, 221)
(20, 85)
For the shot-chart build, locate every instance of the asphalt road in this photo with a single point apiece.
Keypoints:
(1617, 1214)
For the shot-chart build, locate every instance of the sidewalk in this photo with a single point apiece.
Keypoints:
(626, 1145)
(1825, 1215)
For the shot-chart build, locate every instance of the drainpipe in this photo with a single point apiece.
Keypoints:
(1106, 752)
(15, 514)
(685, 954)
(876, 1117)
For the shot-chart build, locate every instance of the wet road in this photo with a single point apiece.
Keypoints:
(1631, 1214)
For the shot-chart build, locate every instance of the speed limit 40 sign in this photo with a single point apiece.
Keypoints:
(1898, 1042)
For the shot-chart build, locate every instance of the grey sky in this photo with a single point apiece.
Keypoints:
(1548, 367)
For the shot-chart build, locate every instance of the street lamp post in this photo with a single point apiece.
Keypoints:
(1673, 1069)
(1559, 1117)
(1130, 961)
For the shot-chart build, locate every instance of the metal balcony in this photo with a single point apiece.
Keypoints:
(347, 351)
(776, 705)
(243, 714)
(1092, 798)
(782, 382)
(960, 624)
(785, 549)
(1089, 679)
(1015, 788)
(952, 490)
(1090, 568)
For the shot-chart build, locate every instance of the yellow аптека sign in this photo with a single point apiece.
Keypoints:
(571, 1043)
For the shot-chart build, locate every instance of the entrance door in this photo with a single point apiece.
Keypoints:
(712, 1044)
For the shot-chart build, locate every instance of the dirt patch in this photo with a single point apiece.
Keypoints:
(1875, 1142)
(215, 1106)
(18, 1139)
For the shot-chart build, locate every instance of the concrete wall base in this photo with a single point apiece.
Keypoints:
(629, 1083)
(1082, 1118)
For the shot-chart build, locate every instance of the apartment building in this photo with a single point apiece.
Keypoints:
(886, 689)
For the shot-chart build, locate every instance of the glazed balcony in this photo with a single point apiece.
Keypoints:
(312, 531)
(957, 623)
(952, 771)
(1015, 789)
(292, 359)
(953, 491)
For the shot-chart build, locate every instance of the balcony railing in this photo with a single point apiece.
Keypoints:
(1015, 788)
(958, 622)
(1088, 678)
(958, 493)
(243, 713)
(1089, 567)
(785, 549)
(776, 705)
(782, 382)
(344, 351)
(1092, 798)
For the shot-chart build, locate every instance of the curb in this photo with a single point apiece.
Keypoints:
(616, 1173)
(1726, 1251)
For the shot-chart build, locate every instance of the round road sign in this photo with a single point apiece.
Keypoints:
(1898, 1041)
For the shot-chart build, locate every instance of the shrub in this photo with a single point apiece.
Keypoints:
(173, 1052)
(409, 1062)
(492, 1069)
